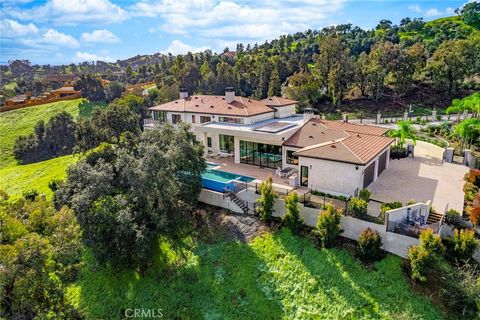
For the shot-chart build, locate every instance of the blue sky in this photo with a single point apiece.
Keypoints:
(66, 31)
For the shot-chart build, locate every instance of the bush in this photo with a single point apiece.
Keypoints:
(328, 226)
(369, 243)
(461, 290)
(475, 215)
(425, 254)
(357, 207)
(364, 194)
(266, 200)
(390, 206)
(30, 194)
(462, 245)
(291, 219)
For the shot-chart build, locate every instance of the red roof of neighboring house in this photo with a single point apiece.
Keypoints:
(243, 107)
(65, 89)
(278, 101)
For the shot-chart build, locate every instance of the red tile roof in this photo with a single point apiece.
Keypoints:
(278, 101)
(242, 107)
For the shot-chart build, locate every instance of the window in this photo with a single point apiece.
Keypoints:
(209, 142)
(204, 119)
(176, 118)
(230, 120)
(259, 154)
(193, 118)
(226, 143)
(292, 159)
(160, 116)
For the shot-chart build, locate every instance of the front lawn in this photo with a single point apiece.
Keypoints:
(276, 276)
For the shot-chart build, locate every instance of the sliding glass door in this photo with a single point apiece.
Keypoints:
(260, 154)
(226, 143)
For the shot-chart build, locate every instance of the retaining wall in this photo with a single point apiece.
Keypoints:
(352, 227)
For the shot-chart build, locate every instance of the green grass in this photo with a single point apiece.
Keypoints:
(22, 121)
(276, 276)
(17, 179)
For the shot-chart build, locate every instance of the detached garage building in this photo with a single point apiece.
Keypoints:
(337, 158)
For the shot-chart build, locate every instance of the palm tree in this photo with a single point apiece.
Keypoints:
(467, 130)
(405, 131)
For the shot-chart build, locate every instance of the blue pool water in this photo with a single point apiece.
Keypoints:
(218, 180)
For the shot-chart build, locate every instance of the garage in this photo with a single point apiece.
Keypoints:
(382, 162)
(368, 174)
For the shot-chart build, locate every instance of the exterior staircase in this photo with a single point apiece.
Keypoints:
(434, 217)
(239, 202)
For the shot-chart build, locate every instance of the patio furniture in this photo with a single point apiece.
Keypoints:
(222, 154)
(285, 172)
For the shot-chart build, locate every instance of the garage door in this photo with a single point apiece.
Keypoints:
(368, 175)
(382, 162)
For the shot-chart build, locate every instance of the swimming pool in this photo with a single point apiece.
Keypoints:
(219, 180)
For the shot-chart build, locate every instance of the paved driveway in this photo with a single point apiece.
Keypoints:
(421, 179)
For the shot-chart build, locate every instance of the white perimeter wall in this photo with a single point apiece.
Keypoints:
(285, 111)
(392, 242)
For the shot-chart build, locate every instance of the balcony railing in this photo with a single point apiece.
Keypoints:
(150, 123)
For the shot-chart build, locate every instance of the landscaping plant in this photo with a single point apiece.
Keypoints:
(364, 194)
(266, 200)
(357, 207)
(462, 245)
(328, 226)
(369, 243)
(291, 219)
(423, 256)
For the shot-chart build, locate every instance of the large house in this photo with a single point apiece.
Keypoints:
(330, 156)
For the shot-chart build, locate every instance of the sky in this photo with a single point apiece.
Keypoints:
(71, 31)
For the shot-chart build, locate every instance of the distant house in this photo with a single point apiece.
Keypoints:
(65, 91)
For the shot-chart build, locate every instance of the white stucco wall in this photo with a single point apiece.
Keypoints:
(333, 177)
(285, 111)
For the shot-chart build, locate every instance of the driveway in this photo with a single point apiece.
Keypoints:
(421, 179)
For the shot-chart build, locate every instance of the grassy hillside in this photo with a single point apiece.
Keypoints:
(280, 276)
(19, 178)
(14, 178)
(22, 121)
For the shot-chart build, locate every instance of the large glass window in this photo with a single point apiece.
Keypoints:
(230, 120)
(204, 119)
(226, 143)
(259, 154)
(209, 142)
(176, 118)
(291, 158)
(160, 116)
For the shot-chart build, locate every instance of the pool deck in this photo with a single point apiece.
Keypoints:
(260, 174)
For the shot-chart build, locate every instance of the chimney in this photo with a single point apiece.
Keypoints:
(183, 93)
(229, 94)
(308, 114)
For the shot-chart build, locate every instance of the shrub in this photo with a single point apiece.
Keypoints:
(357, 207)
(54, 184)
(364, 194)
(425, 254)
(420, 261)
(291, 219)
(30, 194)
(266, 200)
(390, 206)
(328, 226)
(475, 215)
(411, 201)
(369, 243)
(462, 245)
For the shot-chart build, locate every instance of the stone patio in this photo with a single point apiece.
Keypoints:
(422, 178)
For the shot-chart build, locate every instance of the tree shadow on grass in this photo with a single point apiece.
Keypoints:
(86, 107)
(216, 281)
(356, 291)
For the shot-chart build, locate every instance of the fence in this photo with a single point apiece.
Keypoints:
(20, 106)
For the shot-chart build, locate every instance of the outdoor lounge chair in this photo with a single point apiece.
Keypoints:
(223, 154)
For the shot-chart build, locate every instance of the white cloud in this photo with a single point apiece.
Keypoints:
(433, 12)
(246, 19)
(51, 39)
(101, 36)
(178, 47)
(73, 12)
(11, 29)
(86, 56)
(415, 8)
